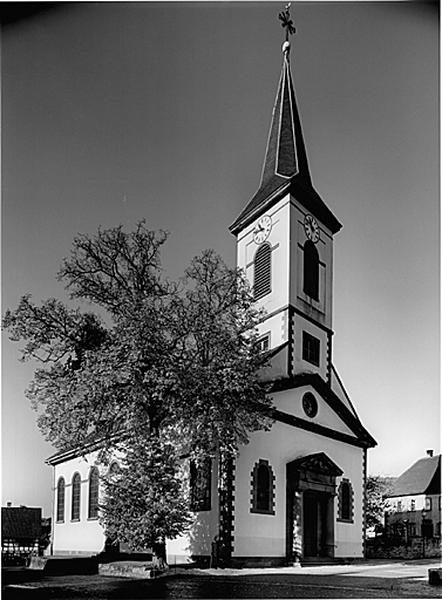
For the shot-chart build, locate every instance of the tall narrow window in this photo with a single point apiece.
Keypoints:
(311, 270)
(200, 484)
(262, 488)
(93, 494)
(345, 498)
(60, 500)
(76, 492)
(262, 272)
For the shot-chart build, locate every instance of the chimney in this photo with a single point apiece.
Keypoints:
(430, 453)
(8, 504)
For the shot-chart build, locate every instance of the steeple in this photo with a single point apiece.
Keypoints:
(285, 164)
(285, 153)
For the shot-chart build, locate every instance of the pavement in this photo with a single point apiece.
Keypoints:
(371, 579)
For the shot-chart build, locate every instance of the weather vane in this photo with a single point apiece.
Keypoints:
(287, 23)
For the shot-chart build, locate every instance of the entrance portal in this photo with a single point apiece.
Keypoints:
(315, 523)
(311, 487)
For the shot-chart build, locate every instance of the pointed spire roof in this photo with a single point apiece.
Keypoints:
(285, 166)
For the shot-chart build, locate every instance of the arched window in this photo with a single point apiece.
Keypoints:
(311, 270)
(76, 493)
(263, 488)
(93, 494)
(200, 484)
(345, 498)
(262, 272)
(60, 500)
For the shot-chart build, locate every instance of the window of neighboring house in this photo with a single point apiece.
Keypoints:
(262, 272)
(263, 343)
(311, 270)
(399, 506)
(60, 500)
(201, 485)
(345, 501)
(413, 505)
(428, 504)
(310, 348)
(412, 529)
(262, 488)
(93, 493)
(76, 493)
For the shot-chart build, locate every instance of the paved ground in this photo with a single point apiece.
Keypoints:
(370, 580)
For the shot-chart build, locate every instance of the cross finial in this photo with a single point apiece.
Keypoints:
(287, 23)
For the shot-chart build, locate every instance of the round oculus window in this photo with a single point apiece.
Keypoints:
(310, 405)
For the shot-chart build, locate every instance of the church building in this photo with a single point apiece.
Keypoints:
(294, 493)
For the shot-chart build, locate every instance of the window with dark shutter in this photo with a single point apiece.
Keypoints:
(263, 488)
(345, 501)
(60, 500)
(76, 493)
(311, 270)
(262, 272)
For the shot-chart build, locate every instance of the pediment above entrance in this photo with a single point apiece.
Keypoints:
(317, 463)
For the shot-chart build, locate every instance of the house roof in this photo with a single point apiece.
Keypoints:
(423, 477)
(285, 168)
(20, 523)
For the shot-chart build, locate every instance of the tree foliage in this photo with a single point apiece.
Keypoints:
(376, 489)
(144, 506)
(155, 358)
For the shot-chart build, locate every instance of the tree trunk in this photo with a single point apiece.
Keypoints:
(159, 558)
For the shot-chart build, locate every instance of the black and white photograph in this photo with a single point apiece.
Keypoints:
(220, 300)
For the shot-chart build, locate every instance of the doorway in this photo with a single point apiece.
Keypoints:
(315, 523)
(311, 487)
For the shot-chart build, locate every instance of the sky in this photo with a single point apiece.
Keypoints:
(114, 112)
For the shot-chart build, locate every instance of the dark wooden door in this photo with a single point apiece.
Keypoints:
(311, 524)
(315, 523)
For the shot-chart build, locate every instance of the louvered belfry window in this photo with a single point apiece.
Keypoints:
(262, 275)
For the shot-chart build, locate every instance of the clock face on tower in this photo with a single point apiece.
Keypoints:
(311, 228)
(262, 229)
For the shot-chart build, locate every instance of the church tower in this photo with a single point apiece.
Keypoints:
(285, 244)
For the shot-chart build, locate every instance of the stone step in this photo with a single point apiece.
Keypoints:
(131, 569)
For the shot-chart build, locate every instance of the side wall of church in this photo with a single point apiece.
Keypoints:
(84, 536)
(264, 535)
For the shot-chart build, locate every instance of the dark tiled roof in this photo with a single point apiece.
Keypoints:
(285, 164)
(421, 478)
(21, 523)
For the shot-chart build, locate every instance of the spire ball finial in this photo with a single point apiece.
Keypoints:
(286, 47)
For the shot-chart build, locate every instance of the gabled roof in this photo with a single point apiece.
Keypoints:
(21, 523)
(423, 477)
(285, 164)
(335, 403)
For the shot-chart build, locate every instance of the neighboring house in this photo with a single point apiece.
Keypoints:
(295, 492)
(21, 534)
(415, 501)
